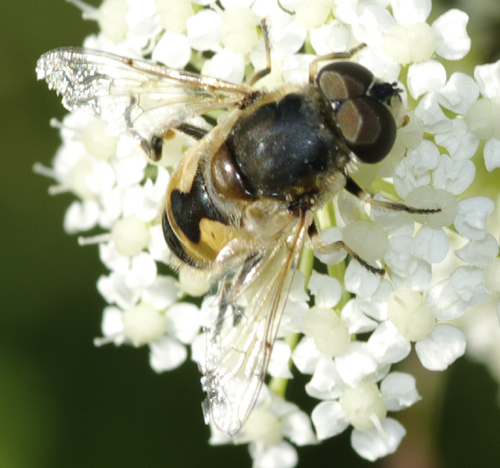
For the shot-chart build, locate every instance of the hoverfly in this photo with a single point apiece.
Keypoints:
(239, 206)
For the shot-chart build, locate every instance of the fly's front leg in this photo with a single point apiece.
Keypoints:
(154, 147)
(356, 190)
(262, 73)
(336, 246)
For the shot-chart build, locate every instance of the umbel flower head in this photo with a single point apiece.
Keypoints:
(343, 325)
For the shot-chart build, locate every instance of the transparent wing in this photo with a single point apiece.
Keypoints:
(240, 342)
(133, 95)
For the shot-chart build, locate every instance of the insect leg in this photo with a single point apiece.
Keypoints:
(356, 190)
(154, 147)
(336, 246)
(195, 132)
(151, 148)
(262, 73)
(313, 66)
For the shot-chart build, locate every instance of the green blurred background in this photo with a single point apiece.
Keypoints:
(65, 403)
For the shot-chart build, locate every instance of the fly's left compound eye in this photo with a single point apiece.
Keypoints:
(368, 127)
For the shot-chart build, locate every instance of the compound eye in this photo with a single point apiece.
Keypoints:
(344, 80)
(368, 127)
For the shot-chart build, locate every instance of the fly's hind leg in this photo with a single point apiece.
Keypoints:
(340, 245)
(356, 190)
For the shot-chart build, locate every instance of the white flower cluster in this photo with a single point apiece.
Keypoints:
(438, 265)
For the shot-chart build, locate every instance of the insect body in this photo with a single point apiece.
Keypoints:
(240, 205)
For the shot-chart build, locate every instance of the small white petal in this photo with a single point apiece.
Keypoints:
(459, 93)
(329, 419)
(491, 154)
(281, 455)
(173, 50)
(372, 23)
(293, 318)
(183, 321)
(295, 68)
(166, 354)
(114, 290)
(382, 66)
(488, 79)
(355, 320)
(371, 444)
(81, 216)
(199, 349)
(356, 363)
(203, 30)
(479, 253)
(432, 116)
(360, 281)
(331, 37)
(346, 11)
(414, 170)
(112, 259)
(387, 345)
(351, 208)
(472, 216)
(399, 391)
(379, 374)
(157, 246)
(400, 254)
(453, 43)
(142, 272)
(326, 382)
(375, 306)
(441, 348)
(297, 290)
(296, 427)
(468, 282)
(425, 77)
(129, 169)
(162, 293)
(227, 66)
(112, 324)
(227, 4)
(289, 38)
(327, 291)
(444, 301)
(408, 12)
(418, 277)
(453, 176)
(278, 364)
(459, 141)
(431, 244)
(306, 356)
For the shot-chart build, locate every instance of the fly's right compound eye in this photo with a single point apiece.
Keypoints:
(365, 120)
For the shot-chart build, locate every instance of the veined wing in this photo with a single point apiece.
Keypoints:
(240, 342)
(133, 95)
